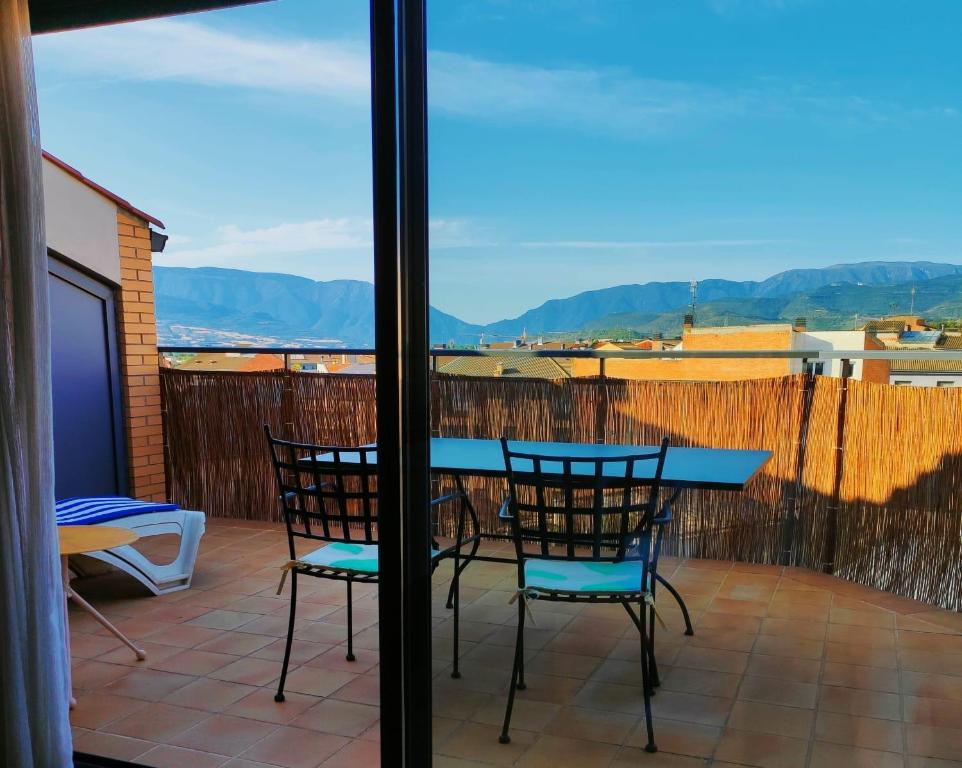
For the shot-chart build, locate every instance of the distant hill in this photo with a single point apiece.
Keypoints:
(592, 309)
(286, 308)
(210, 305)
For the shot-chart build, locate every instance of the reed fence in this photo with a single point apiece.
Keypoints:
(865, 480)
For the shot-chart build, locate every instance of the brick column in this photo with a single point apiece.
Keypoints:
(139, 361)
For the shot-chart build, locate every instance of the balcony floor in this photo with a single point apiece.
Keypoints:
(787, 668)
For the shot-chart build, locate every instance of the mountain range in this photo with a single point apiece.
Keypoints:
(213, 305)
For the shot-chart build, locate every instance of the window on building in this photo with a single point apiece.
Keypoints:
(901, 383)
(945, 383)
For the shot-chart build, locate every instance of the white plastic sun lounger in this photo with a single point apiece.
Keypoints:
(146, 518)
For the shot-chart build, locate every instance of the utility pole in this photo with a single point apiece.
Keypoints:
(912, 304)
(693, 289)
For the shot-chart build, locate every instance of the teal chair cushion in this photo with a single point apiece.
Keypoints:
(349, 557)
(582, 575)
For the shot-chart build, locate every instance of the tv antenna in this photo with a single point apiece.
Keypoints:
(693, 290)
(912, 304)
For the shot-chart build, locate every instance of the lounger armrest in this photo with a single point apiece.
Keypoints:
(446, 498)
(504, 513)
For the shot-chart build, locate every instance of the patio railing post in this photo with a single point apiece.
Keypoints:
(831, 533)
(793, 504)
(601, 409)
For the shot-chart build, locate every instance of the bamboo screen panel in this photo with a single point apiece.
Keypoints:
(885, 510)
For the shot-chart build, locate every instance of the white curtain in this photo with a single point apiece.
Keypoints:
(34, 727)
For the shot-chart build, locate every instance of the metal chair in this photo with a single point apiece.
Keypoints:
(583, 532)
(329, 493)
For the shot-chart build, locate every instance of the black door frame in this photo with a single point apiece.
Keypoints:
(61, 267)
(399, 131)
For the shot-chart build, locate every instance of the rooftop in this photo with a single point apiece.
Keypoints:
(786, 668)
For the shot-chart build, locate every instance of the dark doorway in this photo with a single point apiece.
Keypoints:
(89, 455)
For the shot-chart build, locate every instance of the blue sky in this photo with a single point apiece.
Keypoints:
(575, 144)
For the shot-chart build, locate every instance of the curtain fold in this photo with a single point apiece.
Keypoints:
(34, 725)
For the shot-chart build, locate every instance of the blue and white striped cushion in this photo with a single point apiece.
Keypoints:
(88, 510)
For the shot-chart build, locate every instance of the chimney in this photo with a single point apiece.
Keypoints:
(800, 325)
(688, 323)
(499, 368)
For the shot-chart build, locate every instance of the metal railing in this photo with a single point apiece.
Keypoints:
(847, 356)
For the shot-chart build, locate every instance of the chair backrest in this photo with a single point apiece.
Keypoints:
(576, 508)
(327, 492)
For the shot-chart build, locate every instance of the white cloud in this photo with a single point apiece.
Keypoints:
(189, 52)
(607, 100)
(327, 240)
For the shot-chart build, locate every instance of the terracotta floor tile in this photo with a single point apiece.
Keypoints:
(565, 664)
(883, 620)
(929, 741)
(295, 748)
(592, 725)
(939, 712)
(691, 707)
(193, 662)
(250, 671)
(802, 630)
(775, 691)
(713, 659)
(317, 682)
(110, 745)
(562, 752)
(96, 709)
(342, 718)
(866, 732)
(149, 684)
(872, 636)
(235, 643)
(552, 688)
(631, 757)
(89, 646)
(183, 635)
(475, 741)
(703, 681)
(92, 674)
(260, 705)
(757, 608)
(155, 653)
(771, 718)
(209, 695)
(177, 757)
(582, 644)
(728, 640)
(224, 735)
(357, 754)
(936, 663)
(862, 655)
(829, 755)
(610, 698)
(761, 749)
(926, 641)
(932, 686)
(157, 722)
(527, 715)
(730, 622)
(792, 609)
(676, 737)
(799, 670)
(220, 618)
(853, 701)
(790, 647)
(852, 676)
(302, 651)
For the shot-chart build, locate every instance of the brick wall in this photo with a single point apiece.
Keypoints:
(139, 361)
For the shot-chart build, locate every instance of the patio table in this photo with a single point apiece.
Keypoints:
(724, 469)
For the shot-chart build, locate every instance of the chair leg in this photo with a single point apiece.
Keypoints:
(517, 672)
(681, 603)
(653, 664)
(646, 681)
(279, 696)
(350, 622)
(456, 587)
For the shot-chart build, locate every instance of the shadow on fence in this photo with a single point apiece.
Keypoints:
(864, 483)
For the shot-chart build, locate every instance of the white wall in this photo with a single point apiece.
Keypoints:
(830, 341)
(81, 224)
(926, 380)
